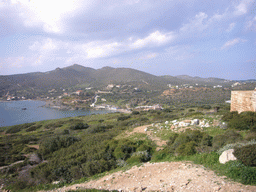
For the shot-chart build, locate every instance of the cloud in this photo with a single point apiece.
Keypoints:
(149, 56)
(154, 39)
(48, 15)
(203, 25)
(231, 27)
(242, 7)
(46, 45)
(196, 24)
(251, 25)
(232, 43)
(178, 53)
(102, 49)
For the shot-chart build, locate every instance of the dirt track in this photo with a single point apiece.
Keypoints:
(165, 176)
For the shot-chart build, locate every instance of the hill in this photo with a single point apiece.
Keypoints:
(77, 75)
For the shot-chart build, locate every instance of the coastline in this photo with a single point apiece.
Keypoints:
(51, 105)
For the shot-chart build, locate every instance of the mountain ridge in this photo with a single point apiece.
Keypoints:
(78, 74)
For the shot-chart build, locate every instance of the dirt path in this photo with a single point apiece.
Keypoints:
(11, 164)
(165, 176)
(144, 129)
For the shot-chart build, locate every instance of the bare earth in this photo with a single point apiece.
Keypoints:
(165, 176)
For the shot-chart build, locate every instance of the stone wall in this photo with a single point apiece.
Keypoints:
(243, 101)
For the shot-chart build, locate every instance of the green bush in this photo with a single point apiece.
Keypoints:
(79, 126)
(233, 145)
(227, 138)
(246, 154)
(242, 121)
(186, 149)
(135, 112)
(139, 157)
(238, 171)
(14, 129)
(33, 128)
(122, 118)
(55, 143)
(206, 106)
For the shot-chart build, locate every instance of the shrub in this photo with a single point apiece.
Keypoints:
(101, 120)
(97, 129)
(172, 138)
(206, 106)
(135, 112)
(237, 170)
(226, 138)
(246, 154)
(55, 143)
(242, 121)
(206, 140)
(14, 129)
(122, 118)
(138, 157)
(233, 145)
(33, 128)
(186, 149)
(79, 126)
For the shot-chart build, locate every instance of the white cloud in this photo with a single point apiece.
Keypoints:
(46, 14)
(101, 49)
(46, 45)
(231, 43)
(242, 7)
(251, 25)
(149, 56)
(231, 27)
(179, 52)
(154, 39)
(198, 23)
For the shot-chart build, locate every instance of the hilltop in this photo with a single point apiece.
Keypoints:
(76, 75)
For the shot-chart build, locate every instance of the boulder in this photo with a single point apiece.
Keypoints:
(227, 156)
(34, 159)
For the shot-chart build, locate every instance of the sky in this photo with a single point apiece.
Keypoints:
(205, 38)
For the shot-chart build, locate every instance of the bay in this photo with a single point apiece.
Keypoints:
(28, 111)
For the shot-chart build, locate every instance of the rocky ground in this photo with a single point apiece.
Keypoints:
(165, 176)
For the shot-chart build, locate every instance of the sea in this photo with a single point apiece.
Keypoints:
(28, 111)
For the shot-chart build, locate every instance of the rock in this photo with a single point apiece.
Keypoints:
(227, 156)
(34, 159)
(55, 182)
(216, 188)
(195, 121)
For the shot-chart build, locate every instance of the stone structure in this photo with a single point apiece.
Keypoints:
(243, 101)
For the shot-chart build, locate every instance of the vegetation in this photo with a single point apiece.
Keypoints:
(78, 148)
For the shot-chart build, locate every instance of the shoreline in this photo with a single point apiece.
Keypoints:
(69, 108)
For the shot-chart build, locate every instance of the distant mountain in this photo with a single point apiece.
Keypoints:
(76, 75)
(204, 81)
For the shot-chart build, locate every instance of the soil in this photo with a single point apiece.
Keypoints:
(165, 176)
(142, 129)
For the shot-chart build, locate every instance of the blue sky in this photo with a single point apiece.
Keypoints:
(163, 37)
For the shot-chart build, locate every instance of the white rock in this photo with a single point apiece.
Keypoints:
(227, 156)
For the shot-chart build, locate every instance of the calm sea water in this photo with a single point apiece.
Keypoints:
(11, 113)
